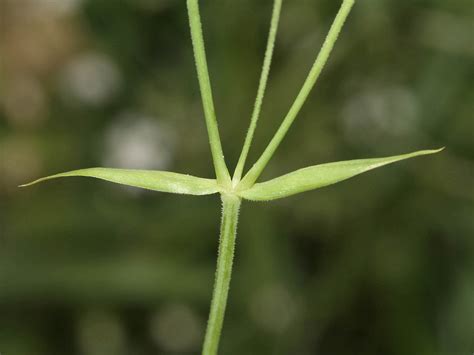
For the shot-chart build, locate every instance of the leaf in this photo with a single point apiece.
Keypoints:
(317, 176)
(163, 181)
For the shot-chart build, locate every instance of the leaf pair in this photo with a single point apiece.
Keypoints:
(298, 181)
(302, 180)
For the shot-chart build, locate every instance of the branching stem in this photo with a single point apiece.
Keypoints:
(309, 83)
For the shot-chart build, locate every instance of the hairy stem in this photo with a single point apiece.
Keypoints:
(230, 215)
(220, 167)
(309, 83)
(261, 89)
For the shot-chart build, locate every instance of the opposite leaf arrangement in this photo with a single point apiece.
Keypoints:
(235, 188)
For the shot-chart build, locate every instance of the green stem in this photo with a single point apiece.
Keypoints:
(222, 173)
(253, 174)
(261, 89)
(230, 216)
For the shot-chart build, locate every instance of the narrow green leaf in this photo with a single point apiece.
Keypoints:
(163, 181)
(318, 176)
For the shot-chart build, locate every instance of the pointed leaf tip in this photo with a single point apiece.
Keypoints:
(163, 181)
(317, 176)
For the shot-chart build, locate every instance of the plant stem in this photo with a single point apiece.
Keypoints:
(253, 174)
(222, 173)
(230, 215)
(261, 89)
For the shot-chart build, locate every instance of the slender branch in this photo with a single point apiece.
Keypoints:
(309, 83)
(230, 215)
(261, 89)
(220, 167)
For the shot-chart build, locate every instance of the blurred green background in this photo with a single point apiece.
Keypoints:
(380, 264)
